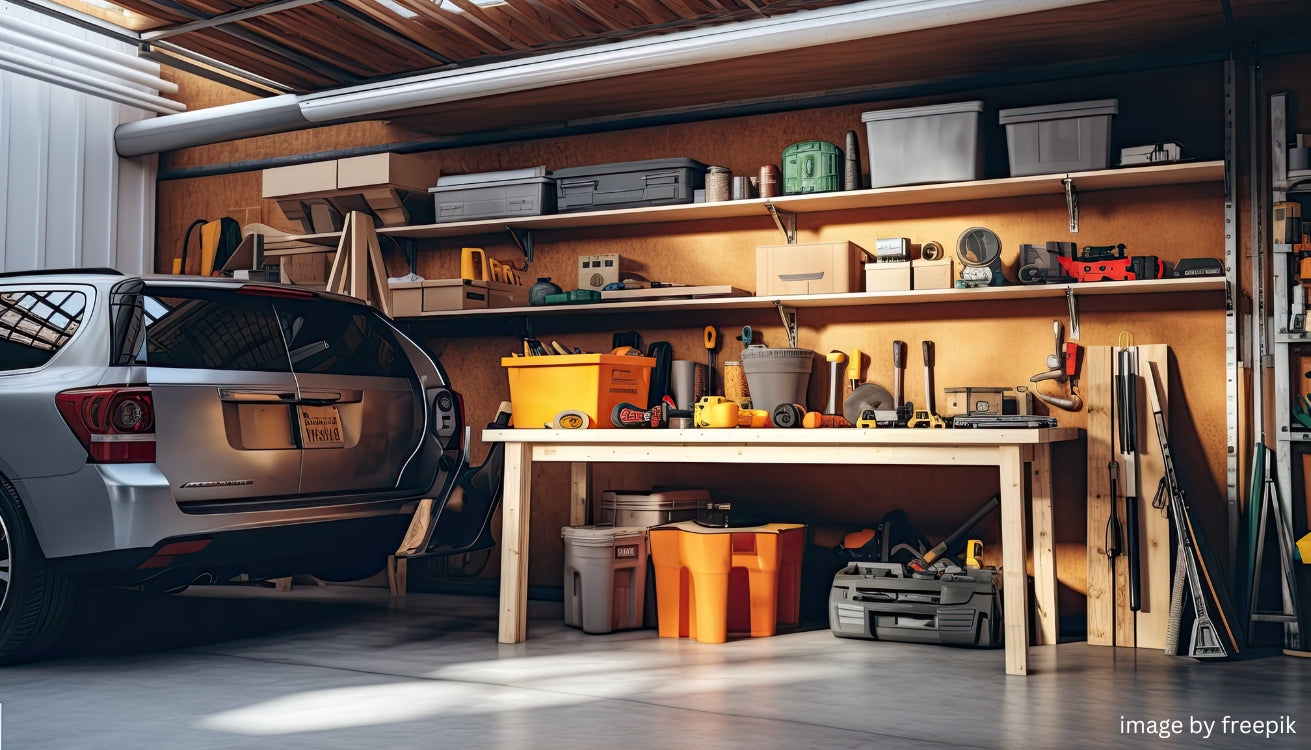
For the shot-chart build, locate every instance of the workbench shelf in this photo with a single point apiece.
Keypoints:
(854, 299)
(1011, 187)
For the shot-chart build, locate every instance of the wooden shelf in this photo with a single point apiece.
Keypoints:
(1106, 179)
(697, 439)
(857, 299)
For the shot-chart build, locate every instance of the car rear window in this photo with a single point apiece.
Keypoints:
(212, 330)
(340, 339)
(36, 324)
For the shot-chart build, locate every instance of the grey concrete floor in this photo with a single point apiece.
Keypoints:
(343, 667)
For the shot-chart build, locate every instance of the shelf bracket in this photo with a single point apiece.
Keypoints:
(786, 221)
(1073, 304)
(789, 316)
(1071, 204)
(524, 239)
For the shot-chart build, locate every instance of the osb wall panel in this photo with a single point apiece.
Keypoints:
(1000, 343)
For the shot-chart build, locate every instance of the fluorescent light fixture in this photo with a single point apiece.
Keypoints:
(397, 8)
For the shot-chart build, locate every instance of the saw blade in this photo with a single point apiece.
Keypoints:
(867, 396)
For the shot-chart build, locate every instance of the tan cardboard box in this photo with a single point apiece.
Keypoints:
(933, 274)
(414, 298)
(814, 268)
(888, 276)
(300, 179)
(401, 170)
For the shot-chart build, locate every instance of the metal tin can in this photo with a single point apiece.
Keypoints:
(718, 184)
(769, 183)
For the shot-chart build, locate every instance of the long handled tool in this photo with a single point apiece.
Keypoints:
(1208, 641)
(927, 417)
(899, 383)
(835, 359)
(924, 560)
(1127, 387)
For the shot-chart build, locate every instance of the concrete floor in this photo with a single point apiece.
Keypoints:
(339, 667)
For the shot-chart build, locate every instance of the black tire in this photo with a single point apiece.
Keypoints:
(34, 600)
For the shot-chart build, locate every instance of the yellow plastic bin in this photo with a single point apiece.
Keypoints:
(542, 387)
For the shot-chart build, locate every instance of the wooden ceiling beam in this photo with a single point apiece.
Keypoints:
(453, 22)
(414, 29)
(540, 27)
(564, 25)
(497, 27)
(381, 32)
(225, 18)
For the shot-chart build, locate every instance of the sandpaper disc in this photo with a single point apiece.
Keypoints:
(866, 396)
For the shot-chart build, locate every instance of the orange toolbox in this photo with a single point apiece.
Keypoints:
(541, 387)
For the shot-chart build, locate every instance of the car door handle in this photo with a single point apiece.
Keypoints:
(257, 397)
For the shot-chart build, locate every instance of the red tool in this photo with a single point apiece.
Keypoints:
(631, 416)
(1109, 263)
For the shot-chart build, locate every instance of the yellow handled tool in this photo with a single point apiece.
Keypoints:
(473, 264)
(853, 369)
(973, 549)
(711, 341)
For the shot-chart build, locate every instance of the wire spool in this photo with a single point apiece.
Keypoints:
(932, 251)
(571, 419)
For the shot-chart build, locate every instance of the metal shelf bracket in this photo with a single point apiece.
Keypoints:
(786, 221)
(1071, 204)
(789, 316)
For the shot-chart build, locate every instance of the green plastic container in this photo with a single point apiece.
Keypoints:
(812, 167)
(573, 297)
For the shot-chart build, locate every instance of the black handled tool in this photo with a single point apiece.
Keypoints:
(1127, 386)
(923, 561)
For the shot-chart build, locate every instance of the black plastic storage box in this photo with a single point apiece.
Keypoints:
(629, 184)
(877, 601)
(494, 195)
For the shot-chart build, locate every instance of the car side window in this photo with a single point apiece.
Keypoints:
(212, 330)
(340, 339)
(35, 324)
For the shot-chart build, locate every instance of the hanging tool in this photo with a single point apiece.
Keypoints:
(923, 561)
(1126, 382)
(834, 358)
(1208, 641)
(1062, 367)
(789, 317)
(927, 417)
(853, 369)
(899, 383)
(711, 340)
(747, 336)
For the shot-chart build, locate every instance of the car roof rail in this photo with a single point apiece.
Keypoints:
(64, 272)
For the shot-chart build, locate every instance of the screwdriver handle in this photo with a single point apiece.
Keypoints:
(928, 353)
(899, 354)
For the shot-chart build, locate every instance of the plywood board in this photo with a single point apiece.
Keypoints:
(1097, 399)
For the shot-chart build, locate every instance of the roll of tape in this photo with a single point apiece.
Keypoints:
(571, 419)
(931, 250)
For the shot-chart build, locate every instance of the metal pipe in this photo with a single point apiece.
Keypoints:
(86, 84)
(72, 42)
(82, 59)
(224, 18)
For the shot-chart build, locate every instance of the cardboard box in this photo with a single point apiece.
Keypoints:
(401, 170)
(814, 268)
(888, 276)
(413, 298)
(595, 271)
(933, 274)
(300, 179)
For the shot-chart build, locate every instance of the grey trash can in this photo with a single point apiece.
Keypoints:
(604, 577)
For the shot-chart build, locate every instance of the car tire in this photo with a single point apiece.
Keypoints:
(34, 599)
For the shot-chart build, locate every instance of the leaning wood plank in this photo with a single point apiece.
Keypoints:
(1014, 576)
(1044, 549)
(515, 502)
(358, 259)
(1096, 391)
(417, 533)
(377, 292)
(340, 266)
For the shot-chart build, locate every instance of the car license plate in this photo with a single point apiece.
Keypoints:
(320, 427)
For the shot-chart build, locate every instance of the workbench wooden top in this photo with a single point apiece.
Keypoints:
(746, 436)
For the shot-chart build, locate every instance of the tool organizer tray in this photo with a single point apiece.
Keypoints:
(876, 601)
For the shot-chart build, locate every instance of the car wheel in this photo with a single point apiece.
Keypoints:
(34, 600)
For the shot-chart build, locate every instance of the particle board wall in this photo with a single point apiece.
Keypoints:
(1000, 343)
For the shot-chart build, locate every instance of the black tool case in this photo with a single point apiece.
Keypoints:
(879, 601)
(630, 184)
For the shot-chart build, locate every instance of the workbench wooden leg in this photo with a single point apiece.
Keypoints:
(515, 506)
(580, 488)
(1014, 543)
(1044, 548)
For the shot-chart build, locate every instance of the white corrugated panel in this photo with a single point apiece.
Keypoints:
(66, 198)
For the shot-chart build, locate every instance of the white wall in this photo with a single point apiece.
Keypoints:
(66, 198)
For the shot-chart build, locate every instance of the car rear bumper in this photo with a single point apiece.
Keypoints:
(105, 508)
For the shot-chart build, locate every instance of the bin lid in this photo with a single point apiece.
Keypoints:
(761, 352)
(653, 500)
(526, 174)
(492, 184)
(598, 536)
(926, 111)
(1059, 111)
(650, 165)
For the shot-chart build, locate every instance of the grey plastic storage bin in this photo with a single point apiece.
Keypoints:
(877, 601)
(604, 577)
(492, 195)
(916, 145)
(1056, 138)
(777, 376)
(648, 508)
(630, 184)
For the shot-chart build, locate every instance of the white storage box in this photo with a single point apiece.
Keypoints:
(1056, 138)
(938, 143)
(889, 276)
(933, 274)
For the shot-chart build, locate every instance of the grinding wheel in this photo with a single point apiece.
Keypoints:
(867, 396)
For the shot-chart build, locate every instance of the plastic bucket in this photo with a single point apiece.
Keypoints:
(777, 376)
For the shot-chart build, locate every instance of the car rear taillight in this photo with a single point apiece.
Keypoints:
(114, 424)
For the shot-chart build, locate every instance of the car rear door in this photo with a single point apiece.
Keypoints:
(224, 394)
(361, 409)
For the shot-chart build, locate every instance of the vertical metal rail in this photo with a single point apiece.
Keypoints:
(1233, 291)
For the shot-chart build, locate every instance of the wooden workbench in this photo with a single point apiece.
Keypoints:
(1008, 450)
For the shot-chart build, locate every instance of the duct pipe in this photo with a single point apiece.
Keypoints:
(801, 30)
(84, 60)
(81, 45)
(86, 84)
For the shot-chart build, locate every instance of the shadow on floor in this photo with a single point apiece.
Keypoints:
(119, 622)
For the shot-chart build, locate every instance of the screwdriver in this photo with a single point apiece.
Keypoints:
(711, 340)
(853, 369)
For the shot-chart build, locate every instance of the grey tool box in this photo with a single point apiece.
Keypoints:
(878, 601)
(493, 195)
(630, 184)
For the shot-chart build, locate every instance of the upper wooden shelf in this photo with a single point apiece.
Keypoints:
(853, 299)
(1011, 187)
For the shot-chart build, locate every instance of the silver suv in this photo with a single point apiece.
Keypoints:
(160, 431)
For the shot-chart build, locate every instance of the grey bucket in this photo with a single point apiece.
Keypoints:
(777, 376)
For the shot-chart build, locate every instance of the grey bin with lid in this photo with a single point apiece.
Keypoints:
(647, 508)
(777, 376)
(604, 577)
(1056, 138)
(917, 145)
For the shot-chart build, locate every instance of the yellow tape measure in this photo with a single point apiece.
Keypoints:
(571, 420)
